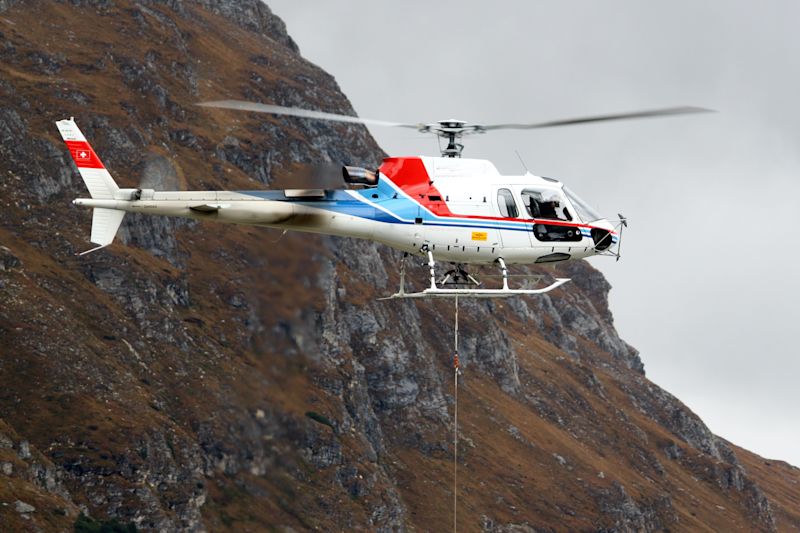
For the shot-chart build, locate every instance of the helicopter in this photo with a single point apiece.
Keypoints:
(448, 209)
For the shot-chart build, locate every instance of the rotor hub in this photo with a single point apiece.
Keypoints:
(451, 130)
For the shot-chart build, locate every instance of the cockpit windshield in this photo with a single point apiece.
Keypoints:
(584, 211)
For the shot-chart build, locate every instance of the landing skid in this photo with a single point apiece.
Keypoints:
(442, 290)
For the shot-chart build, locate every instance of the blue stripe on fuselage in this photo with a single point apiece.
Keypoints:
(387, 203)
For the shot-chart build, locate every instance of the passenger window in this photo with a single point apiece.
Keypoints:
(506, 203)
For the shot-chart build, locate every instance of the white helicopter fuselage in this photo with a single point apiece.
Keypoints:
(462, 222)
(459, 210)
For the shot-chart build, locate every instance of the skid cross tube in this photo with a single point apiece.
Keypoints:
(441, 291)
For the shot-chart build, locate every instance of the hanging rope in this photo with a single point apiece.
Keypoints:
(455, 422)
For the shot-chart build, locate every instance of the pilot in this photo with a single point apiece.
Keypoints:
(549, 207)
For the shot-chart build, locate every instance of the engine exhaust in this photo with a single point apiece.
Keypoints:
(359, 175)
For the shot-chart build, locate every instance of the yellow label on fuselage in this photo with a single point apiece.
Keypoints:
(479, 235)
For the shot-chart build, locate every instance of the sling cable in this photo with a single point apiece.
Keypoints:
(456, 372)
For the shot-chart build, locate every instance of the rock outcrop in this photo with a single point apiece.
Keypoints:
(199, 377)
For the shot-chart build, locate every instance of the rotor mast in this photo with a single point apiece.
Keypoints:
(451, 130)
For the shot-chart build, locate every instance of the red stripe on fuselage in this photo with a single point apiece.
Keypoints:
(83, 155)
(410, 174)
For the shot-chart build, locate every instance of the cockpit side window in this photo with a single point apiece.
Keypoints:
(506, 203)
(532, 200)
(545, 204)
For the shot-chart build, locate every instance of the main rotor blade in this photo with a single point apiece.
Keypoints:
(298, 112)
(602, 118)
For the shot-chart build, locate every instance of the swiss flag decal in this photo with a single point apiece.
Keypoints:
(83, 155)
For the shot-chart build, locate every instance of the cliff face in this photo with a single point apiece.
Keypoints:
(207, 377)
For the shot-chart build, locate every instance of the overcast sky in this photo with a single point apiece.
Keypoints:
(708, 286)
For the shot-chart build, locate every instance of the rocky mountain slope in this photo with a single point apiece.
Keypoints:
(200, 377)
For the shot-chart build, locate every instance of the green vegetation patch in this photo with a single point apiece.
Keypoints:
(85, 524)
(316, 417)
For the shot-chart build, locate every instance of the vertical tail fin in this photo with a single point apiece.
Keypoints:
(97, 179)
(105, 222)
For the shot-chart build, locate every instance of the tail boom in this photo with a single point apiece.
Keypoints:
(219, 206)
